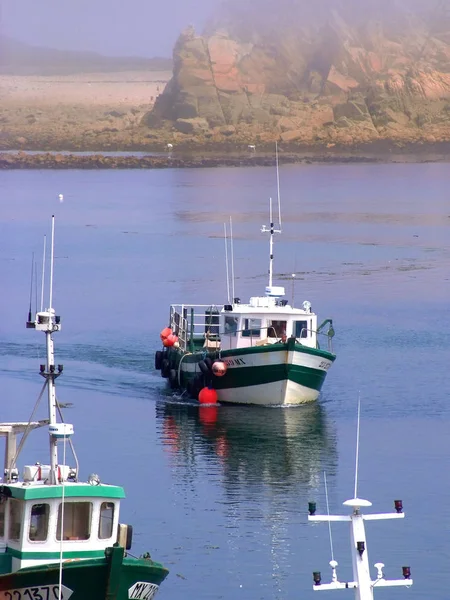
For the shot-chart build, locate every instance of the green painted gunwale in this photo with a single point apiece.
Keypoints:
(277, 347)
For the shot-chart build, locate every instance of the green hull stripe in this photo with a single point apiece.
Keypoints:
(55, 555)
(247, 376)
(70, 491)
(236, 352)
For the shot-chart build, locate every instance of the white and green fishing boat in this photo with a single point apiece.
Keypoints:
(61, 538)
(265, 352)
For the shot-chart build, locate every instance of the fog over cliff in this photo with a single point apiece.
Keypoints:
(328, 70)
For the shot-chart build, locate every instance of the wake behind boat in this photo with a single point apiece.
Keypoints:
(61, 538)
(265, 352)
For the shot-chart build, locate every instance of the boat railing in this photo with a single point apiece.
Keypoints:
(319, 335)
(195, 321)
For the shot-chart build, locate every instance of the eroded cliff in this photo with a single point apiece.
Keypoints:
(329, 71)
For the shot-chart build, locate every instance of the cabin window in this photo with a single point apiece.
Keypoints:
(276, 328)
(301, 329)
(76, 522)
(105, 526)
(2, 518)
(15, 519)
(252, 328)
(231, 325)
(39, 523)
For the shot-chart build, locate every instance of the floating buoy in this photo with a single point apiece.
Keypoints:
(170, 340)
(207, 396)
(219, 368)
(165, 333)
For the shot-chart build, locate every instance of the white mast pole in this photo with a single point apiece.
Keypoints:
(232, 259)
(51, 369)
(52, 257)
(271, 244)
(278, 187)
(226, 261)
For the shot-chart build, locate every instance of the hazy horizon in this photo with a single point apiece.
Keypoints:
(113, 28)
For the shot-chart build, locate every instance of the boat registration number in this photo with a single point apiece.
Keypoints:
(142, 590)
(325, 365)
(38, 592)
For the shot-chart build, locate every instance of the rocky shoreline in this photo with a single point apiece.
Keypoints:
(208, 159)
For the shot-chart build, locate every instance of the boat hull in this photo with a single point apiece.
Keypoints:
(276, 374)
(112, 578)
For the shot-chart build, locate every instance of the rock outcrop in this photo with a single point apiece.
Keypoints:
(328, 71)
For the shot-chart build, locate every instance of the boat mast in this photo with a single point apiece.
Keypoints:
(362, 583)
(48, 322)
(51, 368)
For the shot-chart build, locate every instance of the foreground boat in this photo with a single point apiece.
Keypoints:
(265, 352)
(61, 538)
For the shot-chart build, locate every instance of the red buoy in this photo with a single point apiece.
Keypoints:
(170, 340)
(207, 396)
(165, 333)
(219, 368)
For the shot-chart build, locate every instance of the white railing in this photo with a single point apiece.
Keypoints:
(189, 321)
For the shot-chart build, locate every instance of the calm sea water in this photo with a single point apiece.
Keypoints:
(220, 496)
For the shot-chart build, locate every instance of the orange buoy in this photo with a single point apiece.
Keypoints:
(170, 340)
(219, 368)
(165, 333)
(207, 396)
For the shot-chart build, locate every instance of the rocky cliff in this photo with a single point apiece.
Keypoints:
(327, 72)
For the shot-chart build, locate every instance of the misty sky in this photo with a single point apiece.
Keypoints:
(114, 27)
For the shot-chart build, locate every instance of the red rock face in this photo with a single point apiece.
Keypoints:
(375, 66)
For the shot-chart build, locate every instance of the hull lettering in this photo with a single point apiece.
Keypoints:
(325, 365)
(234, 362)
(39, 592)
(142, 590)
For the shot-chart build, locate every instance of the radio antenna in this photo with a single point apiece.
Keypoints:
(232, 259)
(357, 446)
(43, 273)
(278, 186)
(31, 286)
(226, 261)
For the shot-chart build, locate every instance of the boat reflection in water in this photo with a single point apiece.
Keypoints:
(254, 470)
(255, 446)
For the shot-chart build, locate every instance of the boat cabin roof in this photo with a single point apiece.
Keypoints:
(263, 305)
(40, 490)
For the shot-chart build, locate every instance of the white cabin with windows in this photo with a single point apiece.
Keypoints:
(34, 516)
(266, 320)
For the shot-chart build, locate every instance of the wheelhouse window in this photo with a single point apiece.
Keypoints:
(2, 518)
(76, 522)
(252, 328)
(301, 329)
(39, 523)
(231, 325)
(276, 328)
(105, 526)
(15, 519)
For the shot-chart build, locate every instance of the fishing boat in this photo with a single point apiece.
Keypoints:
(265, 352)
(362, 583)
(61, 537)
